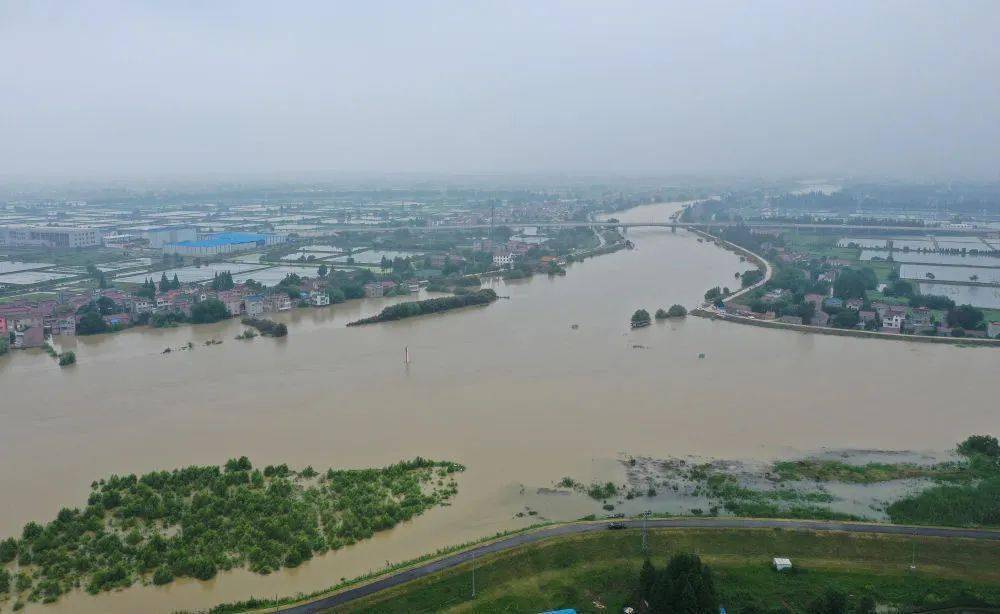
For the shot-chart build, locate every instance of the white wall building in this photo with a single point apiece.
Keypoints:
(503, 260)
(48, 236)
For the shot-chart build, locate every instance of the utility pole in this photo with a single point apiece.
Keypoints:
(645, 534)
(473, 574)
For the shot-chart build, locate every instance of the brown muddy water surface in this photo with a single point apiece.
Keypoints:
(509, 390)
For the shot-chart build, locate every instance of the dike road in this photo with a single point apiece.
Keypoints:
(448, 561)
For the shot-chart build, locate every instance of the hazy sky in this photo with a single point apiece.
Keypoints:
(125, 88)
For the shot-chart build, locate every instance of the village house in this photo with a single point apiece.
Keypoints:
(116, 320)
(518, 248)
(63, 326)
(815, 299)
(277, 301)
(993, 330)
(31, 337)
(482, 245)
(4, 331)
(254, 305)
(775, 295)
(142, 305)
(866, 316)
(893, 324)
(820, 318)
(897, 310)
(882, 309)
(232, 300)
(833, 303)
(920, 318)
(373, 289)
(854, 303)
(319, 299)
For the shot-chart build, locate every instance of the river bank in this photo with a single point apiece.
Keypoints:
(711, 312)
(581, 569)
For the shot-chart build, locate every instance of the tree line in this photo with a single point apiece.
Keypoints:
(434, 305)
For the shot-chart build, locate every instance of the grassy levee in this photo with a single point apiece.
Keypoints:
(578, 571)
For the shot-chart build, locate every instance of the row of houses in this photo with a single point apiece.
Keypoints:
(30, 322)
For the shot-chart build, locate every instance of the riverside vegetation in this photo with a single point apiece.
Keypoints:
(194, 521)
(963, 492)
(268, 328)
(433, 305)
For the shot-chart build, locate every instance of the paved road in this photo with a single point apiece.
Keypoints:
(514, 541)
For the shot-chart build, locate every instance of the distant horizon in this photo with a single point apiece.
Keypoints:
(514, 178)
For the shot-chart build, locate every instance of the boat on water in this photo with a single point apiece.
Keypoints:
(640, 324)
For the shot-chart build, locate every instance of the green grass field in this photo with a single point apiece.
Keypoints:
(589, 571)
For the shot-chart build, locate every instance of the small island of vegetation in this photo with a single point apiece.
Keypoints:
(640, 318)
(433, 305)
(268, 328)
(191, 522)
(675, 311)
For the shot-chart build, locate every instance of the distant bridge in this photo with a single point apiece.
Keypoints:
(983, 232)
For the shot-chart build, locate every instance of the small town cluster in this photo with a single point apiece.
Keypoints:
(821, 290)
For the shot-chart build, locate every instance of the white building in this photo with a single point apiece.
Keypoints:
(503, 260)
(319, 299)
(254, 305)
(892, 324)
(48, 236)
(993, 330)
(158, 236)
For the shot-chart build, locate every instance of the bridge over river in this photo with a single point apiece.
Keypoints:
(980, 232)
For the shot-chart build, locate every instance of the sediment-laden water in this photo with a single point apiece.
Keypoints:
(509, 390)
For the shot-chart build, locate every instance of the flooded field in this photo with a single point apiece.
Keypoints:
(191, 273)
(21, 278)
(978, 296)
(510, 390)
(864, 243)
(271, 276)
(375, 256)
(949, 273)
(933, 258)
(13, 266)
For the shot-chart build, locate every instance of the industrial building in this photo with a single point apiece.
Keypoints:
(48, 236)
(158, 236)
(222, 243)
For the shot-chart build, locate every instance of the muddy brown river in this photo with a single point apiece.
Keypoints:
(510, 390)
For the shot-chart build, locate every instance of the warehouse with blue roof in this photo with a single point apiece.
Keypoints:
(222, 243)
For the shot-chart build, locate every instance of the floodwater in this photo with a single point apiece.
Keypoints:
(510, 390)
(977, 296)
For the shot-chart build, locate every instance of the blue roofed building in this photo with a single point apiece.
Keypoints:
(222, 243)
